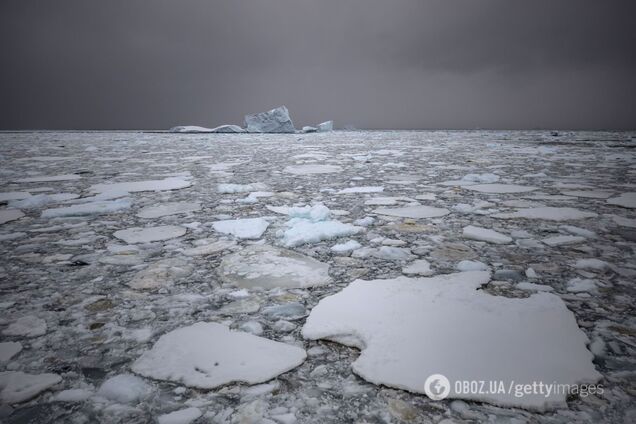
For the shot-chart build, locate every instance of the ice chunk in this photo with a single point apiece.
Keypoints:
(626, 200)
(9, 349)
(562, 240)
(268, 267)
(590, 194)
(348, 246)
(49, 178)
(308, 129)
(72, 395)
(466, 265)
(533, 287)
(500, 188)
(413, 212)
(325, 126)
(40, 200)
(481, 178)
(228, 128)
(28, 326)
(124, 388)
(548, 213)
(182, 416)
(193, 129)
(8, 215)
(591, 264)
(312, 169)
(169, 208)
(403, 327)
(624, 222)
(171, 183)
(302, 231)
(249, 228)
(13, 195)
(162, 273)
(91, 208)
(418, 267)
(240, 188)
(485, 234)
(150, 234)
(579, 285)
(276, 120)
(207, 355)
(16, 386)
(361, 189)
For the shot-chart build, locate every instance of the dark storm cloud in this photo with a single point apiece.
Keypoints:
(371, 63)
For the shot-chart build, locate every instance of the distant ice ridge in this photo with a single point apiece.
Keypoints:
(411, 328)
(193, 129)
(312, 224)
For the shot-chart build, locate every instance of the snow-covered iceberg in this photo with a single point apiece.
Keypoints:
(276, 120)
(325, 126)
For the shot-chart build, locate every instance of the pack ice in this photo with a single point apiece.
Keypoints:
(409, 329)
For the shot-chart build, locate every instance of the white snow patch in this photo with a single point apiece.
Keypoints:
(403, 329)
(485, 234)
(249, 228)
(207, 355)
(501, 188)
(548, 213)
(16, 386)
(169, 208)
(149, 234)
(413, 212)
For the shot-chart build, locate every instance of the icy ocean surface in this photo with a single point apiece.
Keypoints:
(315, 278)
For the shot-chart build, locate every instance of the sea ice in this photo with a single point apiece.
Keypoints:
(7, 215)
(563, 240)
(312, 169)
(387, 201)
(591, 264)
(301, 231)
(124, 388)
(40, 200)
(500, 188)
(481, 178)
(466, 265)
(16, 386)
(8, 350)
(91, 208)
(361, 189)
(240, 188)
(13, 195)
(72, 395)
(49, 178)
(325, 126)
(28, 326)
(150, 234)
(590, 194)
(626, 200)
(624, 222)
(249, 228)
(547, 213)
(182, 416)
(162, 273)
(403, 329)
(208, 355)
(485, 234)
(268, 267)
(418, 267)
(415, 212)
(170, 183)
(348, 246)
(580, 285)
(169, 208)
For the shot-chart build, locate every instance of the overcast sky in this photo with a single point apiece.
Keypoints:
(140, 64)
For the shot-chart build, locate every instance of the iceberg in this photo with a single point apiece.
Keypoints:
(276, 120)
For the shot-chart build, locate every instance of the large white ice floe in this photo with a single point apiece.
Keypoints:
(485, 234)
(626, 200)
(416, 212)
(17, 386)
(409, 329)
(309, 169)
(170, 183)
(547, 213)
(169, 208)
(150, 234)
(208, 355)
(8, 215)
(248, 228)
(268, 267)
(90, 208)
(276, 120)
(312, 224)
(500, 188)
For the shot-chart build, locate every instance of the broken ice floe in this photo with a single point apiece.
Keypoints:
(494, 338)
(8, 215)
(208, 355)
(548, 213)
(170, 183)
(162, 273)
(485, 234)
(269, 267)
(312, 225)
(413, 212)
(501, 188)
(247, 228)
(626, 200)
(169, 208)
(17, 386)
(312, 169)
(150, 234)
